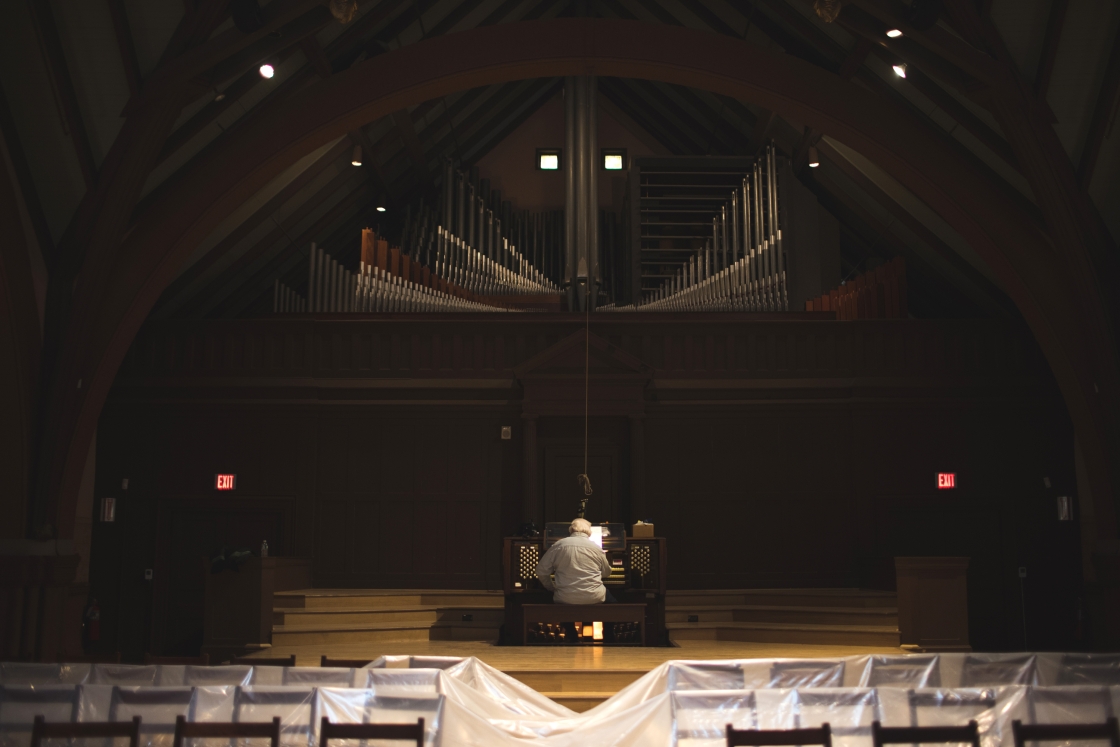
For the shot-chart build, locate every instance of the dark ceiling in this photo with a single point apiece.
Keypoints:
(71, 69)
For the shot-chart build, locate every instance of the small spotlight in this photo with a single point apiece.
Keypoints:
(219, 96)
(356, 159)
(899, 69)
(267, 71)
(380, 209)
(894, 33)
(814, 157)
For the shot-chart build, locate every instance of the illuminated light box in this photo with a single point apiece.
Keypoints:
(946, 480)
(614, 159)
(548, 159)
(225, 482)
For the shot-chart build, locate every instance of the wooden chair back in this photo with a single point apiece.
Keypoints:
(203, 660)
(403, 732)
(881, 735)
(41, 730)
(273, 661)
(1024, 733)
(775, 737)
(113, 658)
(203, 729)
(326, 661)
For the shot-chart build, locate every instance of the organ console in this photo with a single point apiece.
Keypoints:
(638, 576)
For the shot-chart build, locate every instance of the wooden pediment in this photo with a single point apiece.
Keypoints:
(566, 360)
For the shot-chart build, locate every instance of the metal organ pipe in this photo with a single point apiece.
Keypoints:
(581, 201)
(570, 158)
(743, 266)
(591, 176)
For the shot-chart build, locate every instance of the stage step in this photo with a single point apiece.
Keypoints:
(315, 617)
(369, 598)
(321, 617)
(762, 632)
(838, 617)
(783, 597)
(578, 689)
(578, 702)
(880, 616)
(576, 680)
(327, 634)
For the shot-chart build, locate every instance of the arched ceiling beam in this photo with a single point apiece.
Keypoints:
(170, 300)
(1049, 56)
(19, 357)
(1063, 307)
(278, 241)
(42, 18)
(1102, 113)
(260, 274)
(123, 31)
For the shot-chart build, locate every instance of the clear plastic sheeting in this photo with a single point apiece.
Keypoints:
(20, 673)
(685, 703)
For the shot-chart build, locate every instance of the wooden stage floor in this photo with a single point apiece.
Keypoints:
(572, 657)
(577, 677)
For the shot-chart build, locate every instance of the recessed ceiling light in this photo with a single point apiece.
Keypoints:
(380, 209)
(900, 69)
(267, 71)
(894, 33)
(356, 159)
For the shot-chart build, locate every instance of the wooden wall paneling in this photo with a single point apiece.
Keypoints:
(334, 524)
(752, 491)
(190, 530)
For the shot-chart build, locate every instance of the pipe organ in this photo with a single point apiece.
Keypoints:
(456, 259)
(717, 238)
(699, 234)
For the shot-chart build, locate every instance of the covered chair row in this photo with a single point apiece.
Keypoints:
(185, 730)
(915, 735)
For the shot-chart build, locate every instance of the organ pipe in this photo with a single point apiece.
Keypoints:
(742, 267)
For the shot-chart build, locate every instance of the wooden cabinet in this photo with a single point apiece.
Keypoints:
(933, 603)
(238, 607)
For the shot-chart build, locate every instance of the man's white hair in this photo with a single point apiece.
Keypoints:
(580, 526)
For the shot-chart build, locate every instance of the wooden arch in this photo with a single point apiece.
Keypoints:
(1055, 293)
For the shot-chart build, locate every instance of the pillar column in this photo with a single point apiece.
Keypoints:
(581, 198)
(638, 505)
(35, 583)
(530, 495)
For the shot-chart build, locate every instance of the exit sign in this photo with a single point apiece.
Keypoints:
(946, 480)
(225, 482)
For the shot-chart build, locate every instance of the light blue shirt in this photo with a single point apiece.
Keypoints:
(580, 567)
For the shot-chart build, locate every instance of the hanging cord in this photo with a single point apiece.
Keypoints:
(583, 480)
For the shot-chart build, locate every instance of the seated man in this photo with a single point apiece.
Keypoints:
(580, 567)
